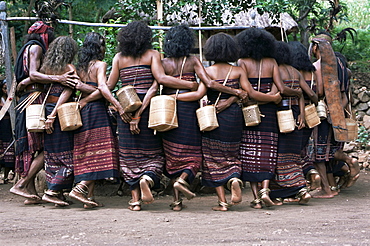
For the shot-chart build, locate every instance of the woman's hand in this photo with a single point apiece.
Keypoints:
(243, 95)
(300, 122)
(277, 98)
(222, 105)
(22, 85)
(49, 125)
(134, 125)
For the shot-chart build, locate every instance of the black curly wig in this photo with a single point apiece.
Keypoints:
(221, 47)
(61, 52)
(299, 55)
(282, 53)
(179, 41)
(256, 43)
(92, 49)
(134, 39)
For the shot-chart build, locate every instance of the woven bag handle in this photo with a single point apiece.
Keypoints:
(226, 79)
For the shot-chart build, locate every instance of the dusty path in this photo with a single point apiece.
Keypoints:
(343, 220)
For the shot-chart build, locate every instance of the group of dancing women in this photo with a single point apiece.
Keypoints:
(250, 68)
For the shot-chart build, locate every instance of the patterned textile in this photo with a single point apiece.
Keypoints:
(258, 148)
(183, 146)
(221, 146)
(58, 152)
(325, 144)
(6, 137)
(95, 148)
(289, 178)
(27, 143)
(142, 153)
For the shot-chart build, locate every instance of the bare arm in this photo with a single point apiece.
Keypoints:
(319, 82)
(64, 96)
(301, 116)
(35, 56)
(284, 90)
(311, 94)
(193, 95)
(166, 80)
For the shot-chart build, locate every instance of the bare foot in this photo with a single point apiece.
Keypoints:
(54, 200)
(220, 208)
(315, 181)
(146, 193)
(290, 200)
(88, 206)
(33, 202)
(75, 194)
(256, 203)
(236, 193)
(134, 206)
(187, 193)
(354, 172)
(267, 200)
(22, 191)
(322, 194)
(305, 198)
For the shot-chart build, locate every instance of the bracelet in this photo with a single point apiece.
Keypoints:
(136, 118)
(51, 117)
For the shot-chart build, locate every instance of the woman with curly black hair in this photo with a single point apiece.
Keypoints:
(182, 146)
(289, 182)
(58, 144)
(220, 147)
(301, 61)
(258, 151)
(95, 148)
(140, 151)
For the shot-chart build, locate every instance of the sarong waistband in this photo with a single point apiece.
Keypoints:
(52, 99)
(141, 91)
(170, 91)
(34, 87)
(287, 102)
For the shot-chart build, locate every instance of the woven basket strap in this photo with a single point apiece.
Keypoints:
(226, 79)
(259, 76)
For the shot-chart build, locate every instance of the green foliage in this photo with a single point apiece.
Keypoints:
(355, 50)
(363, 136)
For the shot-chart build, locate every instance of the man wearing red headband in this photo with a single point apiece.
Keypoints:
(29, 145)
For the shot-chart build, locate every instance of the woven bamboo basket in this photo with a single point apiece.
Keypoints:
(311, 116)
(321, 110)
(35, 118)
(252, 115)
(286, 121)
(352, 129)
(69, 116)
(128, 98)
(207, 118)
(162, 113)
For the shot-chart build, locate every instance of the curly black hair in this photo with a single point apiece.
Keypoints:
(299, 55)
(221, 47)
(92, 49)
(61, 52)
(179, 41)
(256, 43)
(134, 39)
(282, 53)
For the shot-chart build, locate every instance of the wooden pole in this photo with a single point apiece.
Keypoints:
(13, 45)
(160, 19)
(8, 64)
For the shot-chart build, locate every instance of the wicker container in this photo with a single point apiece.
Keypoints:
(128, 98)
(162, 113)
(69, 116)
(207, 118)
(252, 115)
(311, 116)
(286, 121)
(35, 118)
(352, 129)
(321, 110)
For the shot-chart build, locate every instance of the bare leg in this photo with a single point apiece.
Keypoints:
(135, 204)
(221, 199)
(183, 186)
(177, 202)
(90, 195)
(26, 186)
(264, 194)
(325, 188)
(256, 203)
(332, 184)
(353, 166)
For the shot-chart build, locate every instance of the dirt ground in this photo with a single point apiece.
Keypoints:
(343, 220)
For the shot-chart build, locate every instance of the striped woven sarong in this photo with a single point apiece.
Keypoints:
(221, 146)
(6, 137)
(183, 146)
(258, 148)
(142, 153)
(95, 148)
(289, 178)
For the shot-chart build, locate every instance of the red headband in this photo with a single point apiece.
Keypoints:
(41, 28)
